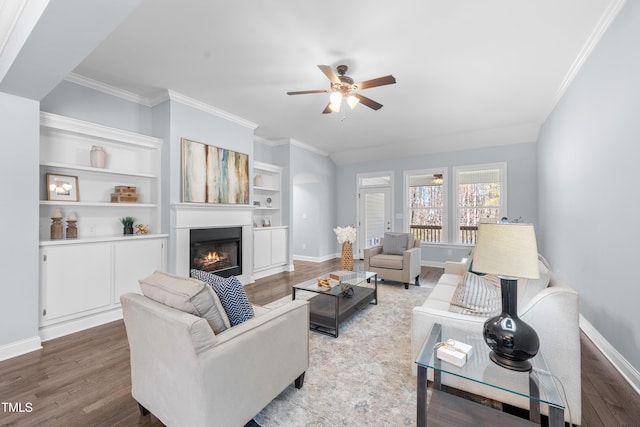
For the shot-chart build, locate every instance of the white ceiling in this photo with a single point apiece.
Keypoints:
(469, 73)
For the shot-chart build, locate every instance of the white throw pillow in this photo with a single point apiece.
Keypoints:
(477, 296)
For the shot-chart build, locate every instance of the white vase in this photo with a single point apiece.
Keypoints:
(257, 181)
(98, 157)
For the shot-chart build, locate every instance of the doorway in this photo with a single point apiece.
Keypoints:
(374, 211)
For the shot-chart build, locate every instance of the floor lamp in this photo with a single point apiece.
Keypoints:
(509, 251)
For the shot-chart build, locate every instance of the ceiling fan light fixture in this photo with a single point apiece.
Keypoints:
(352, 101)
(335, 99)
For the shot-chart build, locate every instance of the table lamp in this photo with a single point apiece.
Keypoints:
(510, 252)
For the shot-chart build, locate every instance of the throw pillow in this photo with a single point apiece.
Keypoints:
(232, 295)
(477, 296)
(395, 243)
(188, 295)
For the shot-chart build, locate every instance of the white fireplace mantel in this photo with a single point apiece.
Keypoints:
(186, 216)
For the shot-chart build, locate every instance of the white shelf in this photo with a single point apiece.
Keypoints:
(54, 165)
(270, 187)
(99, 204)
(266, 189)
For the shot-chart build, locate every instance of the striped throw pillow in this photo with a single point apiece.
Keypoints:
(477, 296)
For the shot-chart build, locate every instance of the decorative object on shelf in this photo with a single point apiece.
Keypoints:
(324, 282)
(98, 157)
(56, 224)
(124, 194)
(62, 188)
(454, 352)
(257, 180)
(142, 228)
(127, 223)
(346, 236)
(266, 222)
(510, 251)
(214, 175)
(256, 203)
(72, 226)
(269, 202)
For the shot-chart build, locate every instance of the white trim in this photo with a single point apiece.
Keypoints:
(360, 245)
(56, 330)
(269, 271)
(264, 141)
(427, 263)
(19, 18)
(601, 27)
(175, 96)
(308, 147)
(100, 131)
(108, 89)
(18, 348)
(617, 360)
(316, 259)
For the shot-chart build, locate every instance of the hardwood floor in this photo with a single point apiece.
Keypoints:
(83, 379)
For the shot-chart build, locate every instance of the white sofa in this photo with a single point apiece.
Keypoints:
(186, 375)
(552, 311)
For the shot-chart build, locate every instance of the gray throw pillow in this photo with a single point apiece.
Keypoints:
(395, 243)
(188, 295)
(477, 296)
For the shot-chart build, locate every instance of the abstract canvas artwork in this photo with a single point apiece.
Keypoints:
(214, 175)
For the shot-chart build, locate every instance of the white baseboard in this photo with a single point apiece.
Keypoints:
(57, 330)
(19, 348)
(617, 360)
(315, 259)
(269, 271)
(436, 264)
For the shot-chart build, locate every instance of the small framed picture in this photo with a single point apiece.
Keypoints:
(62, 188)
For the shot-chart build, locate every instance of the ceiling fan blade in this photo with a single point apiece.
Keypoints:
(368, 101)
(303, 92)
(327, 109)
(380, 81)
(328, 71)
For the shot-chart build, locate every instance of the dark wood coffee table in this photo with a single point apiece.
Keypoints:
(331, 306)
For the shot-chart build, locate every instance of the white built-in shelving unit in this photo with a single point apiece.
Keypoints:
(81, 279)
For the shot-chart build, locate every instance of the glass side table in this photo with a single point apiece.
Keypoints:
(537, 385)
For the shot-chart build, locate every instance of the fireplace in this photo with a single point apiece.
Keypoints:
(216, 250)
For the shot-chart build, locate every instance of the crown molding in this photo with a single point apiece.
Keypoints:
(108, 89)
(601, 27)
(264, 141)
(307, 147)
(175, 96)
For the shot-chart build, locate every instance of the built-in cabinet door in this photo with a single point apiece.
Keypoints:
(75, 278)
(278, 246)
(136, 260)
(261, 249)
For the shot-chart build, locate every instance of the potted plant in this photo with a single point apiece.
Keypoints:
(127, 223)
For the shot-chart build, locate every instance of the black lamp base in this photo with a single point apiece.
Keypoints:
(512, 341)
(514, 365)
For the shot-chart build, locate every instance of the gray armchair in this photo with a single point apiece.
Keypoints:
(397, 258)
(186, 375)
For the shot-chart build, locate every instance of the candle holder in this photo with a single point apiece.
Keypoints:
(56, 228)
(72, 229)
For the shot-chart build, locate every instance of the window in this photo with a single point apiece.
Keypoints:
(426, 197)
(480, 194)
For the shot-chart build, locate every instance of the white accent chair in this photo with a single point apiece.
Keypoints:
(400, 268)
(187, 376)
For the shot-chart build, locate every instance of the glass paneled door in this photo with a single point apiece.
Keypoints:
(374, 217)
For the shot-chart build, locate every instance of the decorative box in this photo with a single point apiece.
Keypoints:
(455, 352)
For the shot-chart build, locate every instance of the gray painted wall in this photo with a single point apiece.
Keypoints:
(19, 158)
(314, 208)
(522, 187)
(72, 100)
(589, 205)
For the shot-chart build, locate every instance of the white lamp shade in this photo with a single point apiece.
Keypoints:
(335, 99)
(507, 250)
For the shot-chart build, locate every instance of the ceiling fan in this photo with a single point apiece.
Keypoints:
(344, 88)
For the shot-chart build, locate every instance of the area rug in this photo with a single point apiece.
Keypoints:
(361, 378)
